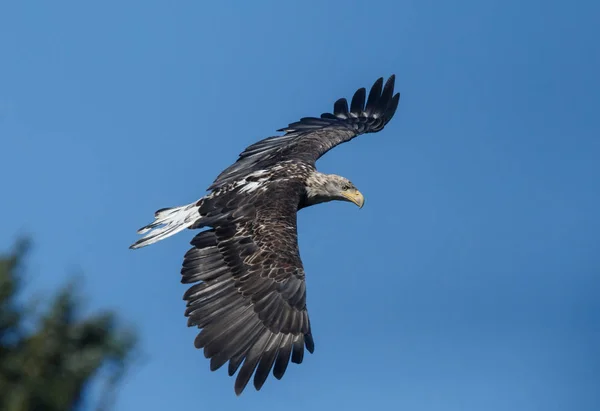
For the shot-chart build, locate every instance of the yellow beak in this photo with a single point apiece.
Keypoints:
(355, 196)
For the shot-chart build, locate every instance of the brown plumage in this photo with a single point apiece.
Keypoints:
(249, 295)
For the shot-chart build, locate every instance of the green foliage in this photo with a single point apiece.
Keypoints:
(50, 366)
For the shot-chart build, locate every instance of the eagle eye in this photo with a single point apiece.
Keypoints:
(346, 187)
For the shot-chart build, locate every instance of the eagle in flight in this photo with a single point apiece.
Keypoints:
(249, 295)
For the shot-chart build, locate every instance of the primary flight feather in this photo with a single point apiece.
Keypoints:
(249, 295)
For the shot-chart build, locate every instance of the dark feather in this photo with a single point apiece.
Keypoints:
(283, 356)
(298, 349)
(309, 342)
(234, 363)
(267, 360)
(340, 110)
(374, 97)
(357, 106)
(251, 361)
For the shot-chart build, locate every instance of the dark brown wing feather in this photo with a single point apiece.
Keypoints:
(250, 295)
(311, 137)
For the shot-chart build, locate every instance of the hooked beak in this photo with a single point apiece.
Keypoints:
(355, 197)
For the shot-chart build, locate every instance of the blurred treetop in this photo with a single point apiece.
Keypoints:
(49, 358)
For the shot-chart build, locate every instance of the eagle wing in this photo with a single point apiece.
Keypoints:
(250, 295)
(311, 137)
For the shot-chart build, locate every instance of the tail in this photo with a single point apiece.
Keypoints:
(167, 222)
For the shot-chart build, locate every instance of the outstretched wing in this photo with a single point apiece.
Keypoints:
(250, 295)
(310, 138)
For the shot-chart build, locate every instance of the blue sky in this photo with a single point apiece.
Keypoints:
(468, 281)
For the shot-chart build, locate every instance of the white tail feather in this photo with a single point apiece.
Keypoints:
(167, 222)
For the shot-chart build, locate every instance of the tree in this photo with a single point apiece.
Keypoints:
(48, 359)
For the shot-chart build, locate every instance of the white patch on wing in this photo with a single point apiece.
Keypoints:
(249, 187)
(258, 173)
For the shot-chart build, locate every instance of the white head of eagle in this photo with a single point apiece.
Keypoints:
(247, 293)
(321, 188)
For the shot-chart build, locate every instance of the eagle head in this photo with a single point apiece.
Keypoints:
(321, 188)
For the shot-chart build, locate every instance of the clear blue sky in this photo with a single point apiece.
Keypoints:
(470, 279)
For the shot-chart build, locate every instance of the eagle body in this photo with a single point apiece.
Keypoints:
(248, 290)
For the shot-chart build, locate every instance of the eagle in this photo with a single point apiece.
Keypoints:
(248, 290)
